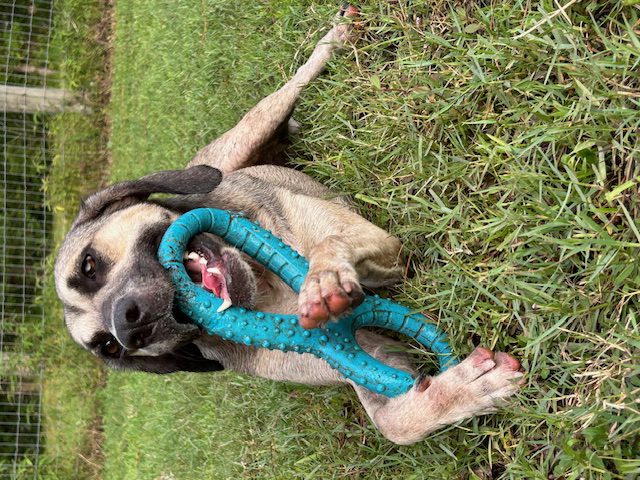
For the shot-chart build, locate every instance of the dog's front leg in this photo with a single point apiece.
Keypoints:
(242, 145)
(346, 251)
(477, 386)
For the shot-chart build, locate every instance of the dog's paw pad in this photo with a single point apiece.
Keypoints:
(506, 361)
(327, 294)
(342, 30)
(348, 10)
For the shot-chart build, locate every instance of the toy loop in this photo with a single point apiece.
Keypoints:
(335, 342)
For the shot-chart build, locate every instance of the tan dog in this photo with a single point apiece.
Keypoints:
(118, 300)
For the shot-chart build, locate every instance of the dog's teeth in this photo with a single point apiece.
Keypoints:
(214, 270)
(193, 256)
(203, 260)
(225, 304)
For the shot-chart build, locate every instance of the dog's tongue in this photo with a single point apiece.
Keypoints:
(214, 282)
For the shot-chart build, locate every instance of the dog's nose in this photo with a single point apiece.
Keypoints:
(132, 322)
(132, 313)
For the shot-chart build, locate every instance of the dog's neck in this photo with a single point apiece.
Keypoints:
(270, 364)
(276, 297)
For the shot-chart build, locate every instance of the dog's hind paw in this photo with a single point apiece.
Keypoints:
(477, 386)
(342, 32)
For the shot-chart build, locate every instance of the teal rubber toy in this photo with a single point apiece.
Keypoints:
(335, 342)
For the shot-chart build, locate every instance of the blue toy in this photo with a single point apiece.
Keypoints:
(334, 343)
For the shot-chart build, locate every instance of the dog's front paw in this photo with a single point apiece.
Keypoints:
(328, 293)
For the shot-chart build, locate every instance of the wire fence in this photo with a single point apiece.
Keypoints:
(28, 95)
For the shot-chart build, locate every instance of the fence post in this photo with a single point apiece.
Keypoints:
(40, 100)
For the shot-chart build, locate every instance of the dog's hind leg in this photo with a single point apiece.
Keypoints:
(477, 386)
(269, 121)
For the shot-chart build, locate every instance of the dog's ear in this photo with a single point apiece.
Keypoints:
(197, 179)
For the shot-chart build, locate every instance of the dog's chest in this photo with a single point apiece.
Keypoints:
(274, 295)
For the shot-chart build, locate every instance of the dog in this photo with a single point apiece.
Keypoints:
(118, 300)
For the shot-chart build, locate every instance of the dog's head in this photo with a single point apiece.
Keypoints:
(117, 298)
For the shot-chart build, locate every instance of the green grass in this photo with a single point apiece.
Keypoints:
(68, 415)
(71, 409)
(491, 156)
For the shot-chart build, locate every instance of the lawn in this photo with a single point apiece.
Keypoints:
(498, 140)
(71, 410)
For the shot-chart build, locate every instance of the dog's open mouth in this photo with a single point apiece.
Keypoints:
(209, 270)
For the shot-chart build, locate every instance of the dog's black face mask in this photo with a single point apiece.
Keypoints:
(118, 299)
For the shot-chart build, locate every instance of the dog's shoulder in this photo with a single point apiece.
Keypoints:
(273, 178)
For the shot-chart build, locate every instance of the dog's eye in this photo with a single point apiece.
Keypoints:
(89, 267)
(111, 348)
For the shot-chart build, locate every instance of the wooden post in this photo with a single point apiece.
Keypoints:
(40, 100)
